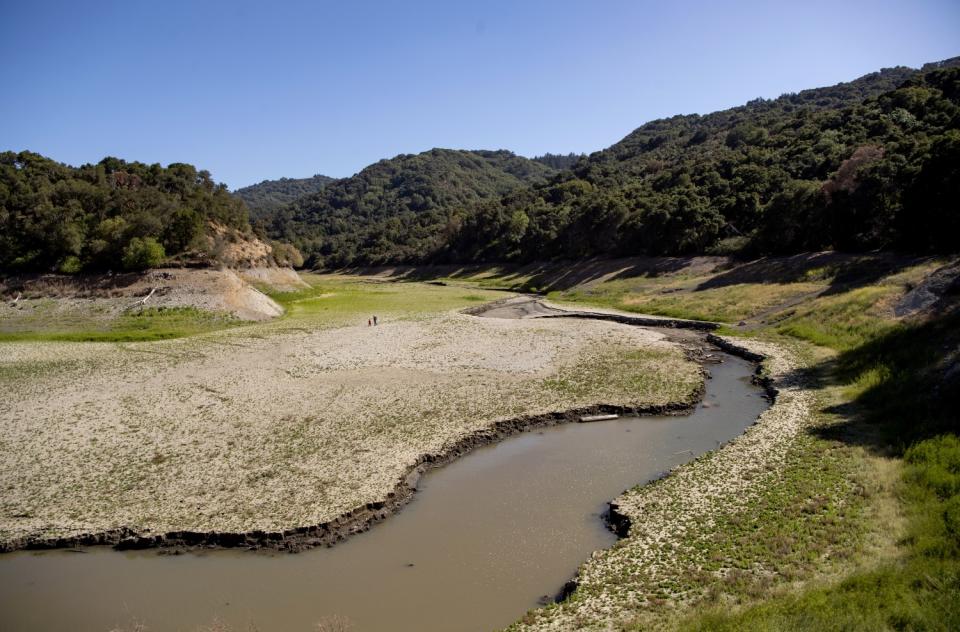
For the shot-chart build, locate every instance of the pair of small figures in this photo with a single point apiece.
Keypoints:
(372, 321)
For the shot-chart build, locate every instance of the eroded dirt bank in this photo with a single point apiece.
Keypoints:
(38, 301)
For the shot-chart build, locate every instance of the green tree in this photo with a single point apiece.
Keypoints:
(141, 254)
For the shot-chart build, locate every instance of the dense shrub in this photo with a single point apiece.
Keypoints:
(140, 254)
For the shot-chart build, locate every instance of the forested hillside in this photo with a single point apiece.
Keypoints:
(111, 215)
(559, 161)
(399, 209)
(872, 163)
(269, 195)
(814, 170)
(869, 164)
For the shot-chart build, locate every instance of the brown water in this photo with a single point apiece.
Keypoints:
(483, 539)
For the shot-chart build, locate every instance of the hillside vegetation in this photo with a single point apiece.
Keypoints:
(559, 161)
(398, 209)
(111, 215)
(820, 169)
(858, 166)
(269, 195)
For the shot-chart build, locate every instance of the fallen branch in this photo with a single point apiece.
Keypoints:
(147, 297)
(144, 300)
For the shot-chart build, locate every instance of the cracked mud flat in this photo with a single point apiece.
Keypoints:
(251, 431)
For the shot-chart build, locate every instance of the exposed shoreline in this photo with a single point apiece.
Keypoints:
(618, 521)
(361, 518)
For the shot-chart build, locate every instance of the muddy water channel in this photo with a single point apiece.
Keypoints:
(482, 541)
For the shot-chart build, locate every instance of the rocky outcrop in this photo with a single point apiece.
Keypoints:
(943, 282)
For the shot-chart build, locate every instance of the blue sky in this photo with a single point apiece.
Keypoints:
(268, 89)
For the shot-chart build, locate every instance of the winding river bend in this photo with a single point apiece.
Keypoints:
(485, 539)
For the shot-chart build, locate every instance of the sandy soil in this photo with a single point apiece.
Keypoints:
(517, 307)
(255, 429)
(281, 279)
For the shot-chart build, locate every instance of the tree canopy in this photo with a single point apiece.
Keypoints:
(559, 161)
(400, 209)
(269, 195)
(111, 215)
(869, 164)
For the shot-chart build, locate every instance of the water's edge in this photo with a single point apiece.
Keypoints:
(360, 519)
(357, 520)
(432, 563)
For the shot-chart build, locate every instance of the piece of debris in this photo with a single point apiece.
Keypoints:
(597, 417)
(144, 300)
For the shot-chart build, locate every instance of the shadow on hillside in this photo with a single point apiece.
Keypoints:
(554, 275)
(567, 275)
(845, 271)
(911, 385)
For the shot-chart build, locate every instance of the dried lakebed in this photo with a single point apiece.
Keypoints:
(486, 538)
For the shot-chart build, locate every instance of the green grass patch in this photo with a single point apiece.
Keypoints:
(644, 373)
(906, 386)
(842, 321)
(151, 323)
(674, 299)
(920, 591)
(337, 299)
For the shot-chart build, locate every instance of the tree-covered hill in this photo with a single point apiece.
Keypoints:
(111, 215)
(866, 164)
(874, 163)
(269, 195)
(559, 161)
(399, 209)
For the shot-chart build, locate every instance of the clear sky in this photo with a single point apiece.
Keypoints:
(256, 90)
